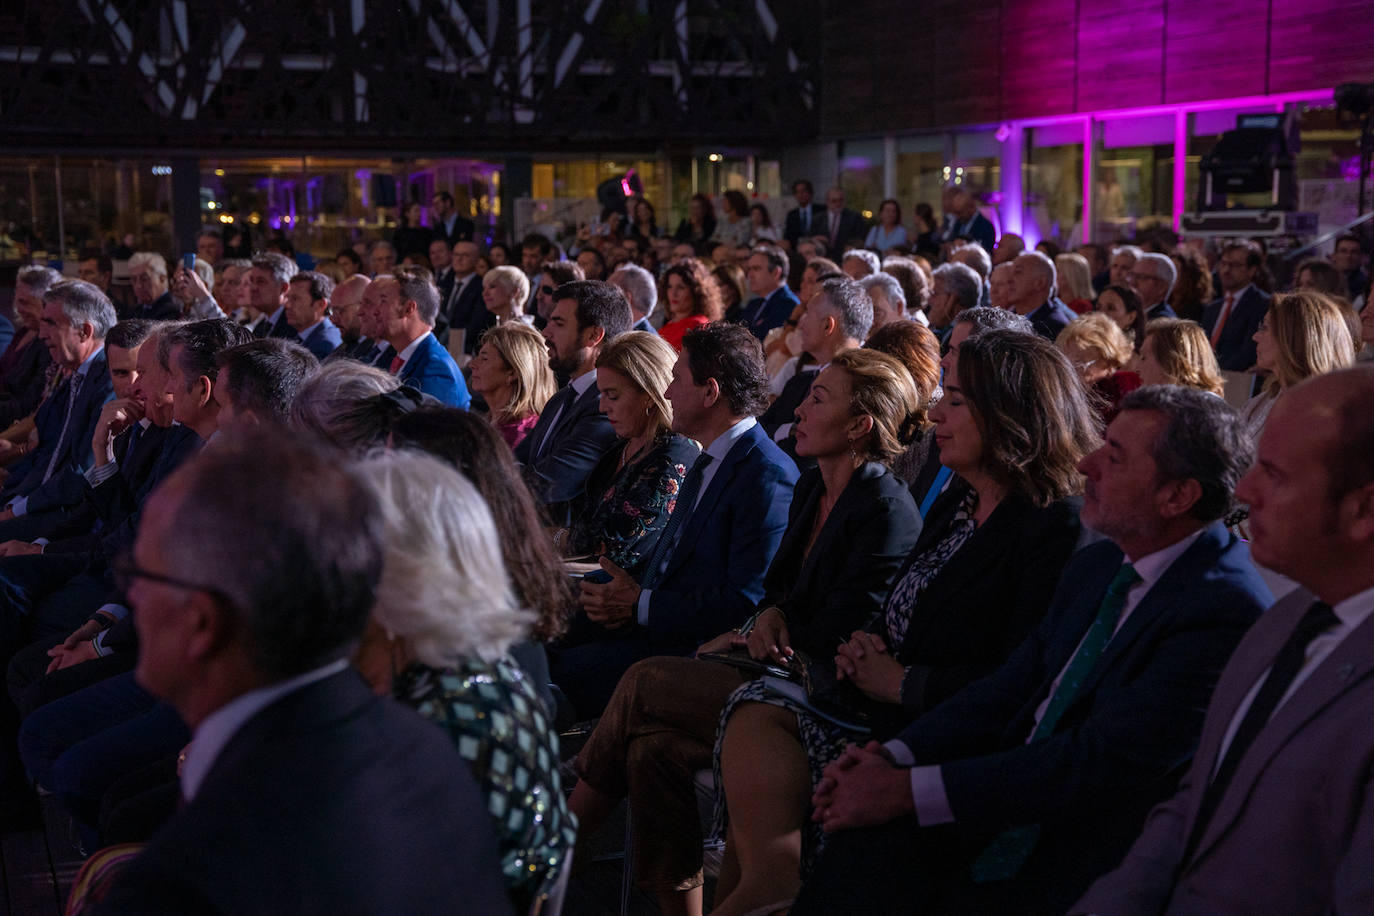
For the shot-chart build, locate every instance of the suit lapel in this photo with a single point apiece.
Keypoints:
(706, 505)
(1342, 670)
(834, 524)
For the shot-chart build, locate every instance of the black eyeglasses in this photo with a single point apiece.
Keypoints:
(126, 571)
(546, 290)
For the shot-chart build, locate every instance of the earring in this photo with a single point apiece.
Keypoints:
(853, 455)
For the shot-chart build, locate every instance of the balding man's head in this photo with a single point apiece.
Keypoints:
(346, 301)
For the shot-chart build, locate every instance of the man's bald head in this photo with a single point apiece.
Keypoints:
(347, 298)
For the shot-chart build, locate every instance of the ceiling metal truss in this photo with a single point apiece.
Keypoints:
(413, 74)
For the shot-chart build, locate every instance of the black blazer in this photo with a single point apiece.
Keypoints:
(1236, 348)
(463, 230)
(842, 582)
(792, 226)
(557, 471)
(852, 226)
(469, 313)
(331, 800)
(1127, 735)
(988, 596)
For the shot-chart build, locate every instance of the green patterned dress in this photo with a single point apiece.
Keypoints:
(493, 715)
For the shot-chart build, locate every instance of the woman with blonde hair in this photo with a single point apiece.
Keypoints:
(850, 525)
(631, 491)
(505, 290)
(511, 372)
(1099, 350)
(1177, 352)
(1075, 281)
(439, 640)
(1303, 334)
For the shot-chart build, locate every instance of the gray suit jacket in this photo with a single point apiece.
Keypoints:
(1294, 832)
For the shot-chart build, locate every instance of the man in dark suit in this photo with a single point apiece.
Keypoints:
(1153, 277)
(1031, 293)
(1014, 794)
(840, 225)
(76, 318)
(307, 307)
(448, 225)
(772, 302)
(403, 307)
(1348, 258)
(465, 309)
(305, 792)
(837, 319)
(807, 218)
(1231, 321)
(268, 281)
(967, 222)
(148, 277)
(1274, 815)
(572, 434)
(345, 311)
(706, 573)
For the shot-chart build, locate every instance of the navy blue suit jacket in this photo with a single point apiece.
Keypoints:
(323, 339)
(434, 372)
(762, 315)
(1050, 319)
(557, 472)
(714, 576)
(1127, 735)
(67, 486)
(1236, 348)
(330, 800)
(1160, 310)
(792, 225)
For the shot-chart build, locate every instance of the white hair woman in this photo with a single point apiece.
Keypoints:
(505, 290)
(438, 641)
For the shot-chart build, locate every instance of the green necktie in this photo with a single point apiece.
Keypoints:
(1009, 850)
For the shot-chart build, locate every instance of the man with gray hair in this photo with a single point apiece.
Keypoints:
(268, 281)
(1123, 259)
(76, 318)
(640, 289)
(405, 304)
(836, 319)
(152, 290)
(1033, 282)
(858, 263)
(956, 288)
(974, 255)
(22, 389)
(1153, 278)
(887, 298)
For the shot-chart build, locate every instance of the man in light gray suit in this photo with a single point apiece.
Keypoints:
(1275, 815)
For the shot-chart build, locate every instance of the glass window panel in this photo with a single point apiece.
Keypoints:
(1053, 182)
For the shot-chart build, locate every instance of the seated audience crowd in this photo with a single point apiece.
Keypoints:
(951, 577)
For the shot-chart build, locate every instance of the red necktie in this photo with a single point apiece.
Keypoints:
(1221, 319)
(396, 364)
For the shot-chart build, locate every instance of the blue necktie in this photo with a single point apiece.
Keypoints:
(682, 507)
(66, 422)
(1009, 850)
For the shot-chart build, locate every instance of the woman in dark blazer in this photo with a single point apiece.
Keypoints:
(850, 526)
(1013, 424)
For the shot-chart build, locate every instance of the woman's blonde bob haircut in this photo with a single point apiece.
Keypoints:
(525, 353)
(1184, 354)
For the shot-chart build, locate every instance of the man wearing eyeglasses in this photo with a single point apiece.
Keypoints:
(1231, 320)
(305, 793)
(1153, 277)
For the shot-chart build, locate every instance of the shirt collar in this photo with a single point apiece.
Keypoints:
(86, 363)
(1354, 610)
(410, 348)
(719, 448)
(583, 382)
(1152, 566)
(214, 732)
(310, 330)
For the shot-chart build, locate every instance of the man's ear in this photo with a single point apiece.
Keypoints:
(711, 394)
(1177, 497)
(209, 626)
(204, 389)
(1356, 514)
(87, 330)
(593, 336)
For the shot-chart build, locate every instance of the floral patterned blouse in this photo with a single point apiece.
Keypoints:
(499, 726)
(627, 509)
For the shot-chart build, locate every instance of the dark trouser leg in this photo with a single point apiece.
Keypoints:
(891, 869)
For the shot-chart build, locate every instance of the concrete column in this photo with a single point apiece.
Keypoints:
(890, 167)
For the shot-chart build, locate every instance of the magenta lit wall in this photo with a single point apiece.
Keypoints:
(892, 65)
